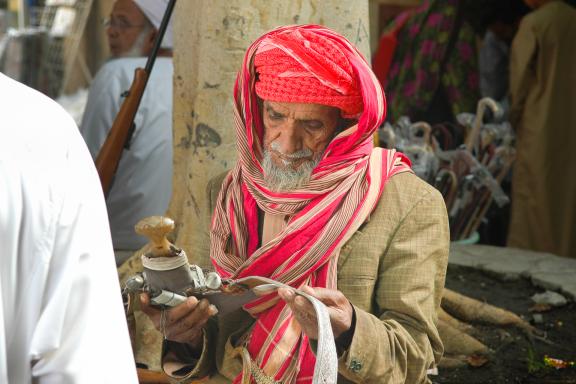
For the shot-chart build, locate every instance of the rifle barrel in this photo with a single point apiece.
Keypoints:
(160, 36)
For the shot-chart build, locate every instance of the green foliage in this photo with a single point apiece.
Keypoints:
(535, 364)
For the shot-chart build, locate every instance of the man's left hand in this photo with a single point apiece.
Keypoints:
(339, 309)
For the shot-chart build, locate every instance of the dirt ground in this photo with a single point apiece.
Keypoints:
(515, 358)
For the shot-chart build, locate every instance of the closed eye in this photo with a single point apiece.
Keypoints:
(313, 124)
(275, 116)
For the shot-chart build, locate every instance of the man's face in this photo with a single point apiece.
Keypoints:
(127, 30)
(295, 136)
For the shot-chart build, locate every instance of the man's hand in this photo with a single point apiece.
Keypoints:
(339, 309)
(184, 322)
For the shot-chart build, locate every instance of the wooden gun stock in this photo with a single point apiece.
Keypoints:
(111, 152)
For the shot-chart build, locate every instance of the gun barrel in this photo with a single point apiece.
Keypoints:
(160, 36)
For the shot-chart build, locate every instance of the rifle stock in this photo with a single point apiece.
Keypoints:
(111, 152)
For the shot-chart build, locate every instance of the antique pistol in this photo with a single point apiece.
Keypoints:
(169, 279)
(167, 276)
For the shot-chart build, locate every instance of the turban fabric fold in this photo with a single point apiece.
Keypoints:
(307, 64)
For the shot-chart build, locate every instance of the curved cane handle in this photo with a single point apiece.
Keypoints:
(484, 103)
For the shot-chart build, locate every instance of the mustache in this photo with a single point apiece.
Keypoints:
(286, 178)
(301, 154)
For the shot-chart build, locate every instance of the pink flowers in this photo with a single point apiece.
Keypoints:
(413, 31)
(409, 89)
(434, 19)
(465, 51)
(407, 63)
(428, 47)
(473, 80)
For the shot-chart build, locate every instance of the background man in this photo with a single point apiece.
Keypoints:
(143, 183)
(312, 204)
(543, 90)
(58, 285)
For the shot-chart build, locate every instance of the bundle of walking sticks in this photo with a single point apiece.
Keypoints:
(466, 161)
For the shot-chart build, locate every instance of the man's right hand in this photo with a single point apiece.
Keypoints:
(184, 322)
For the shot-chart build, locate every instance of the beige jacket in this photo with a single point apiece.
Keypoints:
(392, 270)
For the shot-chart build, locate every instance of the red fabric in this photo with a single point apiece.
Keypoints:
(383, 57)
(386, 48)
(304, 67)
(324, 214)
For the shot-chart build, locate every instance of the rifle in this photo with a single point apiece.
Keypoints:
(123, 127)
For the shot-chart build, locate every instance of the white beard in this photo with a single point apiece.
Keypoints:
(287, 178)
(138, 46)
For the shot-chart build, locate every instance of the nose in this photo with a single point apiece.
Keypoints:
(289, 139)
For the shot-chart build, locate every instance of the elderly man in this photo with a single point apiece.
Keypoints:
(312, 204)
(143, 182)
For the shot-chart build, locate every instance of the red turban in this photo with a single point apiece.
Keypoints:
(300, 66)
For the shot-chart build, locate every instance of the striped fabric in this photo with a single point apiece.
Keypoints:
(344, 189)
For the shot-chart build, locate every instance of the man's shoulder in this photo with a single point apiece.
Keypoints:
(215, 183)
(549, 15)
(404, 191)
(408, 182)
(121, 68)
(31, 128)
(124, 62)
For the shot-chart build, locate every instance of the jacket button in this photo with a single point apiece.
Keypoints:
(355, 366)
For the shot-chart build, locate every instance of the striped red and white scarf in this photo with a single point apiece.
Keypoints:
(324, 214)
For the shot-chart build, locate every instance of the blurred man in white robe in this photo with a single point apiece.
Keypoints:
(142, 185)
(58, 285)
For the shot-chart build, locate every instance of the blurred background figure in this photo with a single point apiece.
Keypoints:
(433, 75)
(143, 182)
(61, 316)
(543, 112)
(496, 22)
